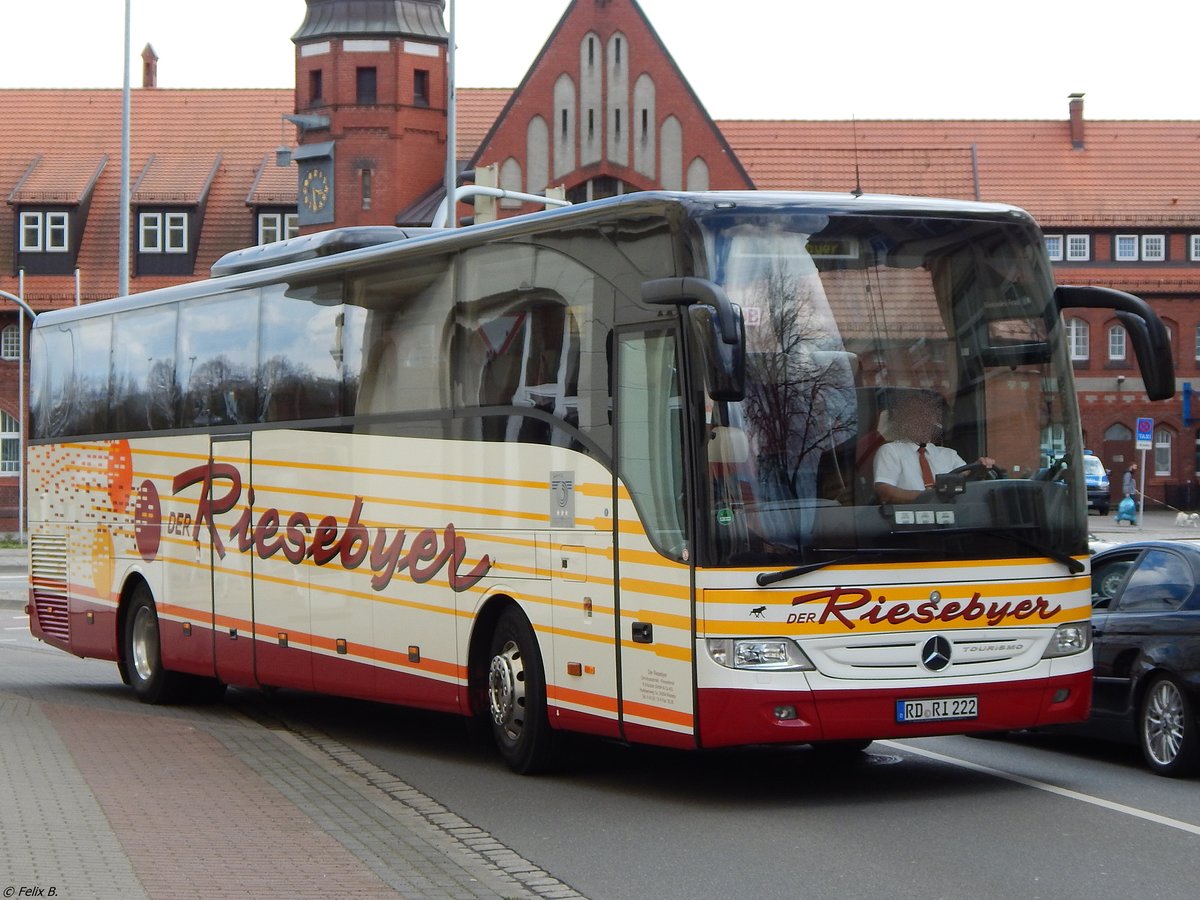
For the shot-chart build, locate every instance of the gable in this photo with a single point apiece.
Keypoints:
(605, 106)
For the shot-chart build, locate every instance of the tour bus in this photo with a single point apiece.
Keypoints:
(604, 469)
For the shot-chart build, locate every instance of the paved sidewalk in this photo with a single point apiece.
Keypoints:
(1157, 524)
(103, 797)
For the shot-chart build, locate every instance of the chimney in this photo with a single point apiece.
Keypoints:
(149, 67)
(1076, 107)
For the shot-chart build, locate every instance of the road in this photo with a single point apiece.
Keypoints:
(1030, 816)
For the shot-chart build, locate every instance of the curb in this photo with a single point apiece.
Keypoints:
(465, 844)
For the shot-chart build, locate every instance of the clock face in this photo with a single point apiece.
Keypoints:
(315, 190)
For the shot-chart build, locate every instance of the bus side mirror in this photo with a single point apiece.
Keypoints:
(724, 363)
(717, 327)
(1147, 333)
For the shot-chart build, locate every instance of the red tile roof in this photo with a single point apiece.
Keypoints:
(476, 113)
(1144, 173)
(1128, 171)
(182, 179)
(178, 139)
(273, 185)
(58, 179)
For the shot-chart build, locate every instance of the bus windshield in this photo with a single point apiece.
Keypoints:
(875, 345)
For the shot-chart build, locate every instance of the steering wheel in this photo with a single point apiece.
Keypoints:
(977, 471)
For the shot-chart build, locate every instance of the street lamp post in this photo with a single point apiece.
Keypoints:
(27, 311)
(451, 125)
(123, 237)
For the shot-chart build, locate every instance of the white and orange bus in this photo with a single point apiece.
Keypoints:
(604, 469)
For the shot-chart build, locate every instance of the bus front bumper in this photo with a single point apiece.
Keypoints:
(730, 717)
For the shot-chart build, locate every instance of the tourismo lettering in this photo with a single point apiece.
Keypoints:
(853, 605)
(298, 538)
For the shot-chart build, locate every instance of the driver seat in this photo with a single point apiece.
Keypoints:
(864, 458)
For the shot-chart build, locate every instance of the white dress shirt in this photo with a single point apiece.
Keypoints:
(897, 463)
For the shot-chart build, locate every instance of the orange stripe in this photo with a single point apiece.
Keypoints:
(658, 713)
(359, 652)
(582, 698)
(609, 705)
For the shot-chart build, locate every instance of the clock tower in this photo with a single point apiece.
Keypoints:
(370, 108)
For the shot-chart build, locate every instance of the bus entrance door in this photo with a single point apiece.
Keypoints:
(655, 623)
(232, 592)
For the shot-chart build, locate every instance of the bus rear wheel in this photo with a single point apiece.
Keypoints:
(516, 690)
(143, 656)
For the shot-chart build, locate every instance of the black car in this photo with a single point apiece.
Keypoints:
(1146, 627)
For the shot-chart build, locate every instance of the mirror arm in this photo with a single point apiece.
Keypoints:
(1146, 330)
(685, 291)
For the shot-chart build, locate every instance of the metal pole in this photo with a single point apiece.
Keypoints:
(21, 425)
(123, 251)
(1142, 492)
(25, 311)
(451, 127)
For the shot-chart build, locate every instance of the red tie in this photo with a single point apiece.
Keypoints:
(926, 471)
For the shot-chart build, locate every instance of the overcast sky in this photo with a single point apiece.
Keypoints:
(789, 59)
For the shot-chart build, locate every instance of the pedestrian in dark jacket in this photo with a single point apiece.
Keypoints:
(1129, 485)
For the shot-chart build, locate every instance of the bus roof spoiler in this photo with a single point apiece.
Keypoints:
(311, 246)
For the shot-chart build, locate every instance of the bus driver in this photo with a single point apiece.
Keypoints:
(906, 466)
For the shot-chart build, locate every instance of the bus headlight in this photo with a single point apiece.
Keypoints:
(774, 654)
(1069, 639)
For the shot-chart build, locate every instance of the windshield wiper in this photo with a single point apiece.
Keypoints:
(765, 578)
(1073, 565)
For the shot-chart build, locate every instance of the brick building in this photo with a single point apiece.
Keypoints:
(603, 109)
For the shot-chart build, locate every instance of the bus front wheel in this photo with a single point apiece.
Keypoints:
(516, 689)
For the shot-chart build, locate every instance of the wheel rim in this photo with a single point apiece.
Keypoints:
(1163, 723)
(506, 690)
(145, 643)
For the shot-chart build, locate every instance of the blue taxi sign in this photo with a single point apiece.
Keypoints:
(1145, 434)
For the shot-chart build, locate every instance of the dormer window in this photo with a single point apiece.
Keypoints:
(168, 202)
(163, 232)
(277, 225)
(45, 232)
(50, 207)
(165, 242)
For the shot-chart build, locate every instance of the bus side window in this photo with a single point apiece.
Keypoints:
(49, 382)
(216, 365)
(144, 395)
(302, 346)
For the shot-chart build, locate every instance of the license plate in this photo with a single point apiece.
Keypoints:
(937, 710)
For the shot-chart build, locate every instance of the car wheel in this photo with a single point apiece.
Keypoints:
(1167, 729)
(517, 696)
